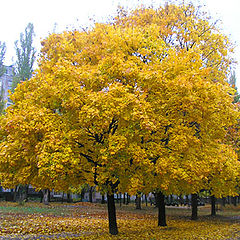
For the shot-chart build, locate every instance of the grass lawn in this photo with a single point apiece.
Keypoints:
(89, 221)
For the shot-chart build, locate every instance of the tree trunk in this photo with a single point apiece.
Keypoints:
(223, 201)
(194, 207)
(82, 194)
(187, 200)
(90, 194)
(181, 200)
(69, 200)
(15, 193)
(26, 190)
(234, 201)
(213, 205)
(161, 209)
(138, 201)
(120, 199)
(45, 196)
(124, 198)
(146, 201)
(112, 220)
(127, 200)
(103, 200)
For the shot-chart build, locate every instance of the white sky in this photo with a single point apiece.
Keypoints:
(44, 14)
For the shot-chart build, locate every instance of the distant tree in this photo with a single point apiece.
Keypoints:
(232, 82)
(26, 56)
(2, 69)
(2, 55)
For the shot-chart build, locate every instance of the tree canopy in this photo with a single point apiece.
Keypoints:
(138, 104)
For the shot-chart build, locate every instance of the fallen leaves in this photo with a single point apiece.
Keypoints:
(89, 221)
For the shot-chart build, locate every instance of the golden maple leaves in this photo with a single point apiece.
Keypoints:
(140, 102)
(89, 221)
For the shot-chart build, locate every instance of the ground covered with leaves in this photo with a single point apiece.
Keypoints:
(89, 221)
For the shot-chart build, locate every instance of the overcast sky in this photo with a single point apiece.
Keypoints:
(45, 14)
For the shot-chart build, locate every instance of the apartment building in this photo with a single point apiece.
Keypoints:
(6, 84)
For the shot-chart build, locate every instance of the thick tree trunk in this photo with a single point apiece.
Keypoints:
(112, 220)
(138, 201)
(213, 205)
(194, 207)
(45, 196)
(161, 209)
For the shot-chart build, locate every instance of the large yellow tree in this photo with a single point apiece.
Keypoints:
(139, 104)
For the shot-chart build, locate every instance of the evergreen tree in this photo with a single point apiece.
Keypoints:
(26, 55)
(232, 82)
(2, 70)
(2, 55)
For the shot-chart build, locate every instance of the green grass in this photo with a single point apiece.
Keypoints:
(30, 208)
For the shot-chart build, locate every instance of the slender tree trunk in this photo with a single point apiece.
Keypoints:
(82, 194)
(120, 199)
(15, 193)
(112, 220)
(181, 200)
(41, 196)
(187, 200)
(223, 201)
(69, 198)
(234, 201)
(127, 200)
(213, 205)
(161, 209)
(49, 196)
(146, 201)
(138, 202)
(90, 194)
(103, 200)
(194, 207)
(45, 196)
(124, 198)
(26, 190)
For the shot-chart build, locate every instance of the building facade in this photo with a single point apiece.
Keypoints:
(6, 81)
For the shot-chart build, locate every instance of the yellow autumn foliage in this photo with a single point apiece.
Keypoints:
(138, 104)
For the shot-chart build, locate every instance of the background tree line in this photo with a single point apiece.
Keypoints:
(25, 59)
